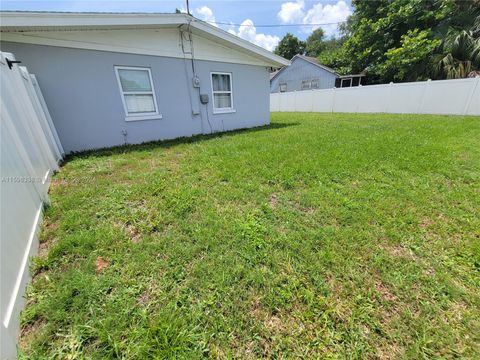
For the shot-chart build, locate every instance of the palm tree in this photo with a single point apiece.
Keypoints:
(461, 54)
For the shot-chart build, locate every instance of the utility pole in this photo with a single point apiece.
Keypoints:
(188, 8)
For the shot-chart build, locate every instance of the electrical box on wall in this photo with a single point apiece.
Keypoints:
(196, 82)
(204, 98)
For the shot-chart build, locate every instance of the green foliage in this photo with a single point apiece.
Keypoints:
(461, 55)
(332, 56)
(321, 236)
(410, 61)
(315, 43)
(405, 40)
(290, 46)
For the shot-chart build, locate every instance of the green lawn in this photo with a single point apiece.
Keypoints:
(322, 235)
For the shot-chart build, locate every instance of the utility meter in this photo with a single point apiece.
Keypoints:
(196, 82)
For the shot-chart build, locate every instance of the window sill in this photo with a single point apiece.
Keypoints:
(226, 111)
(144, 117)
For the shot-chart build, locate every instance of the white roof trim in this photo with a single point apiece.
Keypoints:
(37, 21)
(326, 68)
(308, 61)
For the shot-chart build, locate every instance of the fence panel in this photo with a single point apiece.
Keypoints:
(456, 97)
(29, 155)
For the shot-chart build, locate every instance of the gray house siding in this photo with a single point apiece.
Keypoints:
(302, 70)
(82, 93)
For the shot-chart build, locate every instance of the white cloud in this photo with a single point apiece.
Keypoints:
(320, 14)
(291, 12)
(206, 14)
(295, 12)
(249, 32)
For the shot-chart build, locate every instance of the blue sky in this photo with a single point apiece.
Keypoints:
(250, 13)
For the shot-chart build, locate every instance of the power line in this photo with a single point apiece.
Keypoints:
(272, 25)
(297, 25)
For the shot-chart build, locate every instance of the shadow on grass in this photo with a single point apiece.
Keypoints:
(123, 149)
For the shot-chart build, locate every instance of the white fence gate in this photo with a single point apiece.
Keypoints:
(456, 97)
(30, 152)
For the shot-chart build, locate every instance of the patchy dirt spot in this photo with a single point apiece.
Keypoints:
(273, 201)
(47, 239)
(28, 331)
(148, 296)
(174, 161)
(45, 246)
(426, 223)
(133, 233)
(336, 300)
(400, 251)
(144, 299)
(429, 272)
(384, 291)
(101, 264)
(130, 230)
(458, 310)
(51, 226)
(274, 324)
(256, 308)
(389, 352)
(310, 210)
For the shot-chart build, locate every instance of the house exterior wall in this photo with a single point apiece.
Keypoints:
(302, 70)
(84, 99)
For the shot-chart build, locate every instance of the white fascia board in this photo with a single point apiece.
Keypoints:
(34, 20)
(204, 27)
(326, 68)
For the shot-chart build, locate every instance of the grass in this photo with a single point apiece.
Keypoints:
(321, 236)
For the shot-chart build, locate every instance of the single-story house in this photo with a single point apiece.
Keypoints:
(115, 78)
(306, 73)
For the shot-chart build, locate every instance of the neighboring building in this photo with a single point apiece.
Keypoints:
(306, 73)
(348, 80)
(112, 78)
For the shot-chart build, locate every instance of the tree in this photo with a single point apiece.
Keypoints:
(401, 40)
(411, 60)
(315, 43)
(332, 55)
(290, 46)
(461, 55)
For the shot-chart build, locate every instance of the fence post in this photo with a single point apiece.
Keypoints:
(469, 100)
(389, 99)
(358, 102)
(422, 100)
(312, 97)
(333, 99)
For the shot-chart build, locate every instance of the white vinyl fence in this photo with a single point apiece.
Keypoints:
(456, 97)
(30, 153)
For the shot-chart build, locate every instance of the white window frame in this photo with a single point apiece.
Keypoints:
(280, 87)
(151, 115)
(306, 85)
(222, 110)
